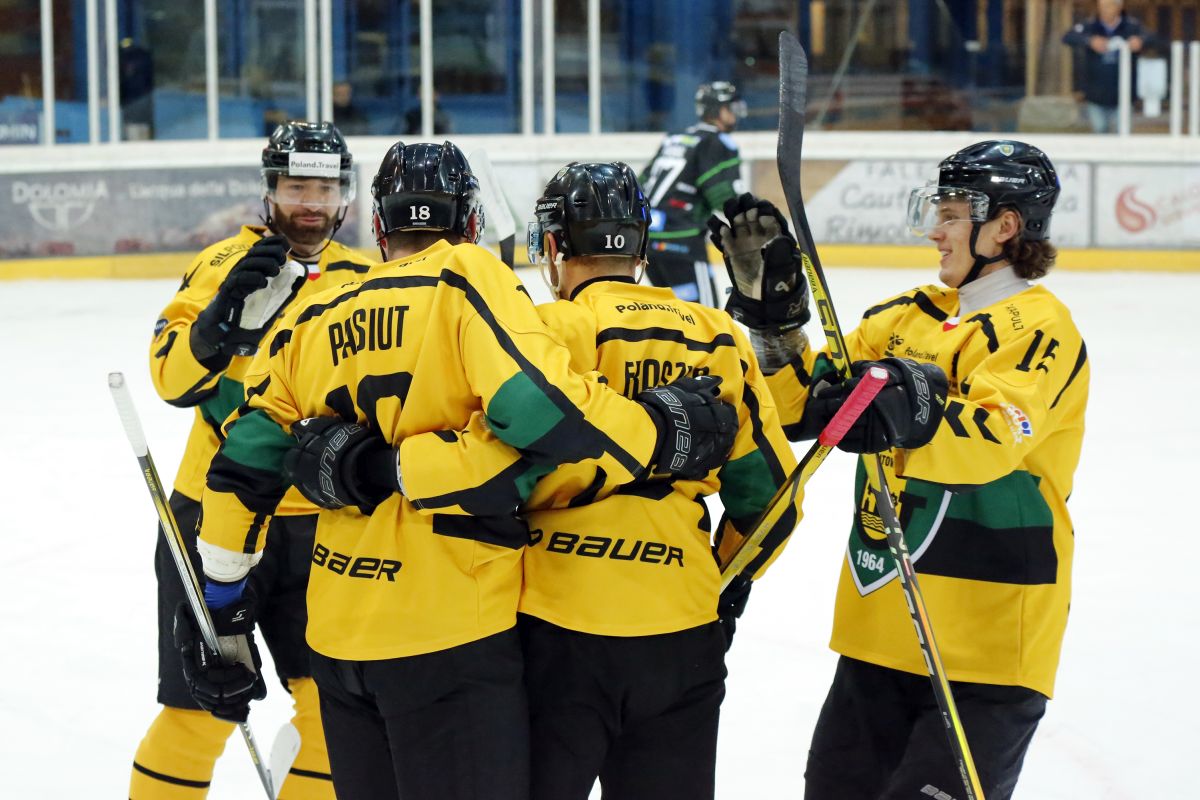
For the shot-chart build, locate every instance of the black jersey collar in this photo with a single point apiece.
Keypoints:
(613, 278)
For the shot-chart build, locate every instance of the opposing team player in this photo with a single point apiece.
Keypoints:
(983, 506)
(692, 176)
(202, 343)
(412, 617)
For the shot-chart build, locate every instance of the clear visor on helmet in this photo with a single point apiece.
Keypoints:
(931, 207)
(535, 242)
(286, 188)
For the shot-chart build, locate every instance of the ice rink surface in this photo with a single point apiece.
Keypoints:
(77, 675)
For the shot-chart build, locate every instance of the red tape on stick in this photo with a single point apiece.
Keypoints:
(868, 386)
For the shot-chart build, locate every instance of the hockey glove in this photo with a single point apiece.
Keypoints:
(695, 428)
(770, 292)
(336, 464)
(731, 604)
(245, 304)
(225, 683)
(904, 414)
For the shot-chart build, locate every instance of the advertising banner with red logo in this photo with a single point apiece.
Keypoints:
(866, 203)
(1148, 206)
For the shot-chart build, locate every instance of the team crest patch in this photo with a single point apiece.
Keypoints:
(921, 509)
(1018, 421)
(1007, 149)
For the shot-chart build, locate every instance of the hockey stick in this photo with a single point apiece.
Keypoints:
(793, 79)
(170, 529)
(749, 548)
(495, 205)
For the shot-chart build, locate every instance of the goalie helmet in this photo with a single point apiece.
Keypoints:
(591, 210)
(427, 186)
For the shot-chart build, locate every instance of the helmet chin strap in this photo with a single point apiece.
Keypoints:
(544, 269)
(979, 261)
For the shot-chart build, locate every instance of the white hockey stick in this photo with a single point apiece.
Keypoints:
(495, 205)
(170, 529)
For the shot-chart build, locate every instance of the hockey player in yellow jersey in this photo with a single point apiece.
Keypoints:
(619, 581)
(983, 507)
(624, 654)
(202, 345)
(412, 616)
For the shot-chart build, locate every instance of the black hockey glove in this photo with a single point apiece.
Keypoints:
(223, 686)
(336, 464)
(731, 604)
(770, 292)
(217, 334)
(905, 413)
(696, 428)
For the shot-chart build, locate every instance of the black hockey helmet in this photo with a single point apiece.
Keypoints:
(1011, 174)
(307, 150)
(592, 210)
(427, 186)
(711, 96)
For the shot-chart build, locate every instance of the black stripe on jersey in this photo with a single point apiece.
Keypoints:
(951, 415)
(279, 340)
(496, 495)
(919, 299)
(391, 282)
(257, 390)
(663, 335)
(649, 490)
(980, 418)
(989, 330)
(965, 549)
(588, 495)
(166, 348)
(196, 394)
(1079, 362)
(750, 400)
(587, 441)
(252, 533)
(308, 773)
(258, 490)
(796, 365)
(506, 531)
(350, 265)
(171, 779)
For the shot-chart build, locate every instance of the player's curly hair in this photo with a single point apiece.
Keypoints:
(1030, 260)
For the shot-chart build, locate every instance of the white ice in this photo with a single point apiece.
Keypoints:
(77, 609)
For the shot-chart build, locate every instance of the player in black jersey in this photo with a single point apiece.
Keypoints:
(689, 179)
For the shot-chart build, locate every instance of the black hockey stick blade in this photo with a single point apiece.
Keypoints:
(793, 99)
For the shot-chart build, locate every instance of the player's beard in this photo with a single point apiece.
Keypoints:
(308, 234)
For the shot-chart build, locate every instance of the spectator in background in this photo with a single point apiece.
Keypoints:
(349, 118)
(441, 120)
(1100, 39)
(136, 75)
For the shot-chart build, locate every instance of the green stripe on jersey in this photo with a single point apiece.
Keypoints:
(217, 407)
(726, 164)
(258, 441)
(747, 485)
(520, 413)
(675, 234)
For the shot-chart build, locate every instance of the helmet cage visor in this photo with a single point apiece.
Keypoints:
(316, 179)
(931, 207)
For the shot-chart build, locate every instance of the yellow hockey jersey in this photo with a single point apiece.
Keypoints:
(636, 559)
(182, 381)
(983, 506)
(419, 346)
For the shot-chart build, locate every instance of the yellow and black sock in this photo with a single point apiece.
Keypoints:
(309, 777)
(176, 757)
